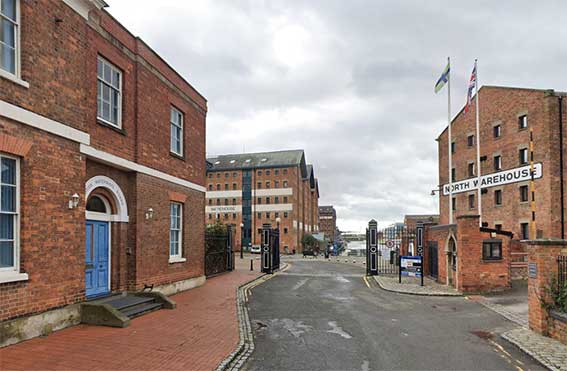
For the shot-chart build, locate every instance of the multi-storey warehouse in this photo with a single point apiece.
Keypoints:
(251, 189)
(506, 117)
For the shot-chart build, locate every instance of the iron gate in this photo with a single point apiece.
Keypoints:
(384, 246)
(219, 256)
(270, 249)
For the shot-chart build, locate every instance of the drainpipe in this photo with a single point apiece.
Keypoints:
(561, 167)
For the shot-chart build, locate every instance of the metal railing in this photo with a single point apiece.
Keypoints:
(561, 271)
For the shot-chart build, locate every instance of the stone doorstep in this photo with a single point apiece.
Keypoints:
(547, 351)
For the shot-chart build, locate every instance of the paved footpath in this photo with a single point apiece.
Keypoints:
(198, 335)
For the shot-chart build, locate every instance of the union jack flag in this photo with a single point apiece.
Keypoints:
(472, 84)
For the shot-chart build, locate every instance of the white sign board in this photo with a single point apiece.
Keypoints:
(519, 174)
(223, 209)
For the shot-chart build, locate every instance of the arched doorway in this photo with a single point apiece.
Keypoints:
(106, 204)
(97, 260)
(451, 260)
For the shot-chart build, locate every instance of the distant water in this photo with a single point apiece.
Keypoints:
(357, 245)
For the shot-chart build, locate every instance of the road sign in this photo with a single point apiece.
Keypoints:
(390, 244)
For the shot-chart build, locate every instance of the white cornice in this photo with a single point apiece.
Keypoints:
(122, 163)
(83, 7)
(30, 118)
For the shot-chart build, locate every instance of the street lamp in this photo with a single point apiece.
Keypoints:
(241, 240)
(434, 191)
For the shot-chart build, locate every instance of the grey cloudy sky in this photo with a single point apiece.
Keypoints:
(351, 82)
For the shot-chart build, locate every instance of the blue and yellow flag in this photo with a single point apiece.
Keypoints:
(443, 79)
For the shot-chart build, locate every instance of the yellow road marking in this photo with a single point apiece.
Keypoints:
(504, 354)
(366, 281)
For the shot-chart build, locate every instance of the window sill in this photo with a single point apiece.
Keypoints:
(14, 79)
(177, 156)
(176, 259)
(13, 277)
(111, 126)
(492, 260)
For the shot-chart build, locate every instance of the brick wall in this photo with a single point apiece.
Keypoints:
(52, 62)
(543, 258)
(152, 236)
(59, 61)
(440, 234)
(503, 106)
(475, 274)
(51, 235)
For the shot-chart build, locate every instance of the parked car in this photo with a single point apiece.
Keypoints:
(309, 252)
(255, 249)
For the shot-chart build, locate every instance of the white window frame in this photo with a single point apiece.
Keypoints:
(16, 76)
(523, 121)
(497, 162)
(118, 124)
(12, 274)
(180, 125)
(525, 158)
(176, 258)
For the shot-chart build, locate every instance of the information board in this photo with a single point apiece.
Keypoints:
(411, 266)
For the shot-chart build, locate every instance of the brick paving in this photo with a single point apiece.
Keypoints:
(549, 352)
(410, 285)
(198, 335)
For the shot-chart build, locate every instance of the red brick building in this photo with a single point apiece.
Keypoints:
(251, 189)
(328, 221)
(506, 117)
(102, 151)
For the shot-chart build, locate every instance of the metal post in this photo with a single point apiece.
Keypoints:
(251, 264)
(399, 269)
(420, 230)
(241, 240)
(372, 250)
(266, 249)
(229, 246)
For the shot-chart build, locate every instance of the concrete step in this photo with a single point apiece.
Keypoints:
(130, 300)
(117, 310)
(140, 309)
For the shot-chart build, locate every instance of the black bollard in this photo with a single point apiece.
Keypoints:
(251, 264)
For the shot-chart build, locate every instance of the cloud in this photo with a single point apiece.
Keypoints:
(349, 82)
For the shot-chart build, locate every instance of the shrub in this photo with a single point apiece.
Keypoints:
(558, 295)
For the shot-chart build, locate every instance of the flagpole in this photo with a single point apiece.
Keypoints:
(478, 167)
(449, 146)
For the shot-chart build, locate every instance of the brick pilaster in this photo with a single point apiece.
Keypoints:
(542, 253)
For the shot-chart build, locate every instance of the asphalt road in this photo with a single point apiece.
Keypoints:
(323, 316)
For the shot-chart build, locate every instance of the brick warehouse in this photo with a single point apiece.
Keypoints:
(506, 116)
(102, 147)
(250, 189)
(328, 221)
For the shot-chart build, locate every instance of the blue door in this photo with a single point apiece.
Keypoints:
(96, 267)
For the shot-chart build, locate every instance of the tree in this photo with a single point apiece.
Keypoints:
(310, 243)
